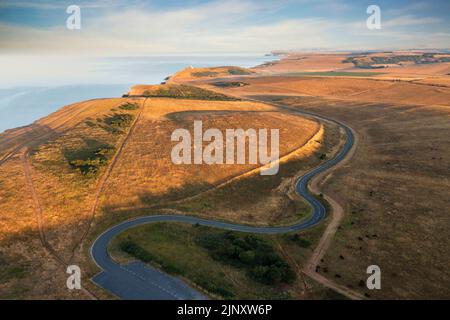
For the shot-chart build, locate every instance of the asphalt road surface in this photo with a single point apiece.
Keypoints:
(136, 281)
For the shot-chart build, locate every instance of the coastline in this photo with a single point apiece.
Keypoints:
(28, 104)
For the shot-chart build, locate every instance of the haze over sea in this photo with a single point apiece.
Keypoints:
(32, 87)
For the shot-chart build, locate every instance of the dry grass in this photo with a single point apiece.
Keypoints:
(262, 200)
(320, 62)
(64, 195)
(443, 81)
(306, 62)
(177, 91)
(395, 189)
(395, 192)
(204, 73)
(143, 172)
(145, 175)
(353, 89)
(64, 129)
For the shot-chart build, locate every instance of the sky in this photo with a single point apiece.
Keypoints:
(165, 27)
(45, 65)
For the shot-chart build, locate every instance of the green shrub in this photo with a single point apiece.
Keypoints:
(238, 72)
(170, 268)
(205, 74)
(117, 122)
(424, 58)
(211, 287)
(129, 106)
(230, 84)
(89, 160)
(187, 92)
(254, 254)
(135, 250)
(90, 123)
(11, 269)
(302, 242)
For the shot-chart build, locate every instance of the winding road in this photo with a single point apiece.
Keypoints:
(140, 282)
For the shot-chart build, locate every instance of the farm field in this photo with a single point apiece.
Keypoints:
(345, 88)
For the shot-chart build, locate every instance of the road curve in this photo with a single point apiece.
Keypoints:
(140, 282)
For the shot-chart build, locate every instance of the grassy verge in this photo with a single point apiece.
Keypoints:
(187, 92)
(226, 264)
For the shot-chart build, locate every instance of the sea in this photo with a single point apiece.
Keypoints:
(32, 87)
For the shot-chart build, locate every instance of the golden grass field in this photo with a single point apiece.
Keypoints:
(191, 73)
(345, 88)
(146, 175)
(143, 175)
(306, 62)
(395, 194)
(395, 188)
(63, 195)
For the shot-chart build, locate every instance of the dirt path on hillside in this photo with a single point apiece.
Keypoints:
(337, 214)
(37, 206)
(35, 129)
(101, 185)
(40, 217)
(38, 209)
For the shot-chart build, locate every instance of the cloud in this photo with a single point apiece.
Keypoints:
(62, 4)
(409, 8)
(333, 6)
(410, 20)
(215, 27)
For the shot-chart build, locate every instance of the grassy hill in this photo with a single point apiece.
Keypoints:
(185, 92)
(205, 73)
(96, 163)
